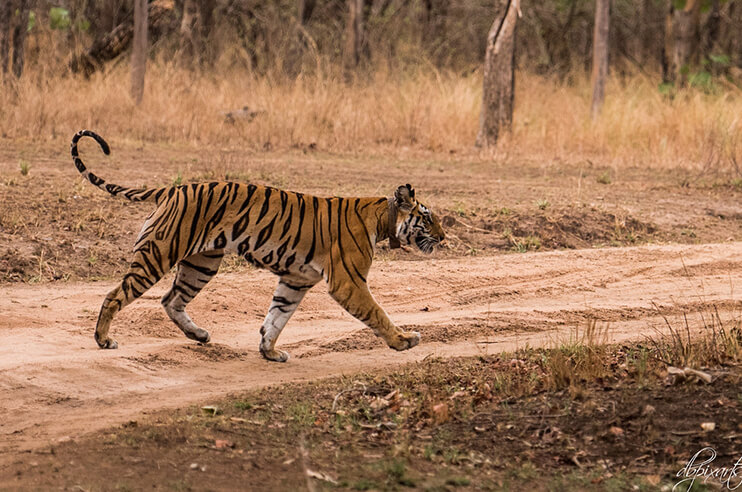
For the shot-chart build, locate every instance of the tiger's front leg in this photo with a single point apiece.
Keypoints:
(286, 299)
(355, 297)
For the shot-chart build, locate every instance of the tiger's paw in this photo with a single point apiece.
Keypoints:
(275, 355)
(199, 335)
(107, 343)
(407, 340)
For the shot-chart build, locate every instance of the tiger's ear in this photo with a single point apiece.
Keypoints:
(404, 198)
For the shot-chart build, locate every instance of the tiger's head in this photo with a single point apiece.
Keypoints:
(419, 225)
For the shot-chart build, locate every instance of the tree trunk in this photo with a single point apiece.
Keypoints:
(188, 32)
(686, 37)
(306, 7)
(600, 54)
(713, 26)
(205, 20)
(160, 21)
(667, 72)
(433, 20)
(733, 44)
(498, 87)
(139, 50)
(19, 36)
(645, 32)
(6, 11)
(354, 34)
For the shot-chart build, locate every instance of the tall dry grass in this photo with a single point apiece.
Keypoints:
(422, 109)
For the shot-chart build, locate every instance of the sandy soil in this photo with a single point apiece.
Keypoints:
(56, 384)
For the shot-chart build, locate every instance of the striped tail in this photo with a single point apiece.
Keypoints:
(133, 194)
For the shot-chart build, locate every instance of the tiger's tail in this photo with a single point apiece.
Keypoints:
(133, 194)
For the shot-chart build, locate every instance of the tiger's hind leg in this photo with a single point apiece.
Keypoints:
(286, 299)
(145, 270)
(193, 274)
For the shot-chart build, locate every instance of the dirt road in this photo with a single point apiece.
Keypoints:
(57, 384)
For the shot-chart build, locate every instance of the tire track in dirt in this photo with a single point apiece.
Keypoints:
(56, 384)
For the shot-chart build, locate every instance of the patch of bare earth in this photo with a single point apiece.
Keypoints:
(491, 422)
(55, 226)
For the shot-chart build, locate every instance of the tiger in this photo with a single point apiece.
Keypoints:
(299, 237)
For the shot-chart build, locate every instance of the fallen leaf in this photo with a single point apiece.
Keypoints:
(392, 395)
(616, 431)
(379, 404)
(320, 476)
(223, 444)
(708, 426)
(653, 480)
(440, 413)
(648, 410)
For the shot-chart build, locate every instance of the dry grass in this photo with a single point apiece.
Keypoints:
(426, 110)
(718, 341)
(579, 358)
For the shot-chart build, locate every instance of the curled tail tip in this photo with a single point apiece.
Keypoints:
(89, 133)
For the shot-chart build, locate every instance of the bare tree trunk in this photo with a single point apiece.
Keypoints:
(292, 63)
(644, 37)
(686, 37)
(306, 7)
(205, 20)
(733, 37)
(19, 36)
(433, 19)
(354, 34)
(667, 47)
(600, 54)
(712, 29)
(498, 88)
(187, 50)
(139, 50)
(6, 11)
(160, 22)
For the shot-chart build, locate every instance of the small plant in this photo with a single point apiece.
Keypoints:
(25, 167)
(458, 481)
(396, 471)
(301, 414)
(526, 244)
(178, 179)
(543, 204)
(580, 358)
(604, 178)
(365, 484)
(639, 362)
(242, 405)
